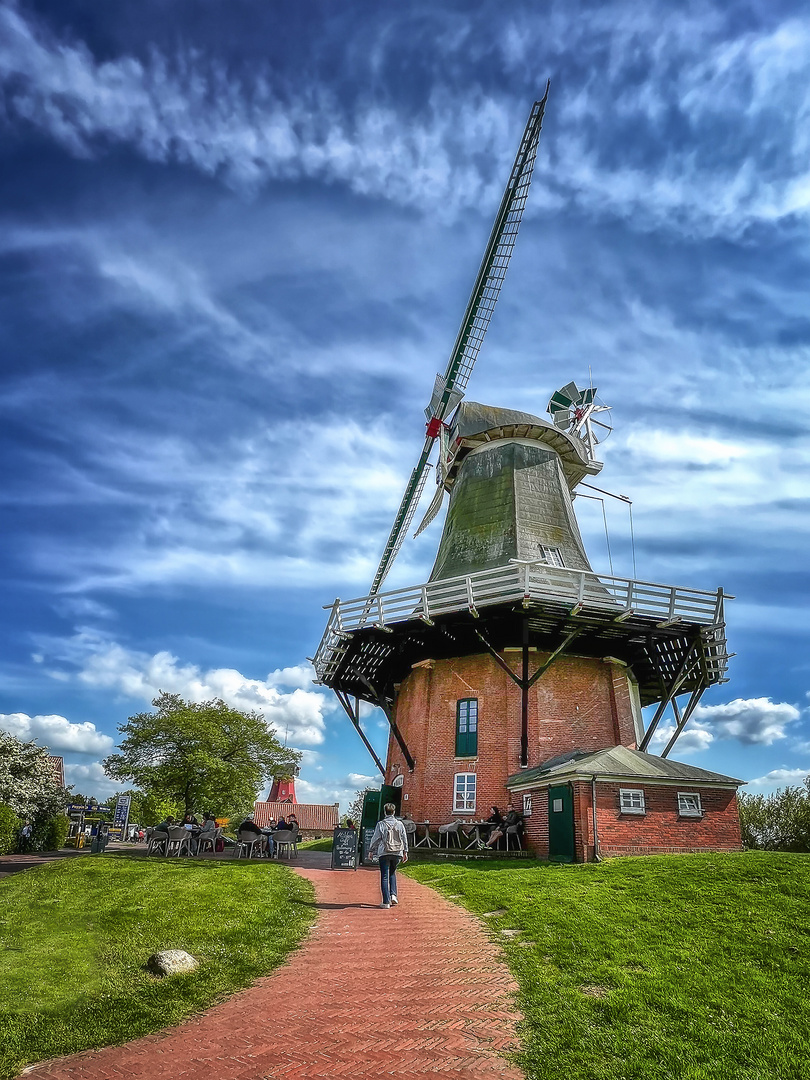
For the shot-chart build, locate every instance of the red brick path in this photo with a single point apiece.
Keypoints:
(373, 992)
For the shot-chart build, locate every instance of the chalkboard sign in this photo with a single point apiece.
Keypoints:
(344, 849)
(367, 835)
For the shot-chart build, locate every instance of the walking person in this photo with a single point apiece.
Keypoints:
(390, 842)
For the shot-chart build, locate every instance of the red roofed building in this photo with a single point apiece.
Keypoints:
(314, 819)
(58, 765)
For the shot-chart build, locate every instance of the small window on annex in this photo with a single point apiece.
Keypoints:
(467, 727)
(631, 801)
(464, 793)
(689, 804)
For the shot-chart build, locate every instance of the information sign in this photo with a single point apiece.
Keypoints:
(367, 835)
(344, 849)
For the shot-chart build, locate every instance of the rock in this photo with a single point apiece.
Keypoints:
(171, 962)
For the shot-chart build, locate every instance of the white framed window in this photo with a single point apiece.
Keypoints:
(552, 556)
(464, 792)
(527, 804)
(689, 804)
(631, 801)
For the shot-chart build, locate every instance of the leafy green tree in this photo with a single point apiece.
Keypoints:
(199, 757)
(355, 811)
(779, 821)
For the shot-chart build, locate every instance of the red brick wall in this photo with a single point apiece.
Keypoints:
(659, 831)
(580, 703)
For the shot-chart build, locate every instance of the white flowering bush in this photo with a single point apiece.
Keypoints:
(28, 785)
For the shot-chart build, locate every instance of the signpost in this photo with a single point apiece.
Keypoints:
(344, 849)
(118, 829)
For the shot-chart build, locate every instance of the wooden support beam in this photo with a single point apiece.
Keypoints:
(670, 693)
(560, 649)
(354, 715)
(381, 703)
(697, 693)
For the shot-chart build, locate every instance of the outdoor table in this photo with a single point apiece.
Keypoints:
(477, 840)
(427, 840)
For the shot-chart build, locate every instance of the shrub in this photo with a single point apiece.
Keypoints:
(50, 833)
(10, 826)
(777, 822)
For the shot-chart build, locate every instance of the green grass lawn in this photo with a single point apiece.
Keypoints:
(691, 967)
(75, 936)
(325, 844)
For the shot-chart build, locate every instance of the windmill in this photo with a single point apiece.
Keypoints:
(514, 650)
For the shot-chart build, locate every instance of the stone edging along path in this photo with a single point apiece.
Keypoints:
(416, 989)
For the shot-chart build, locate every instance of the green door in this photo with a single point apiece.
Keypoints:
(560, 824)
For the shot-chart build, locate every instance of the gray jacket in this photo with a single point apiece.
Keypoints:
(376, 845)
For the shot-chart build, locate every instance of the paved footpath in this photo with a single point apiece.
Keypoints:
(416, 989)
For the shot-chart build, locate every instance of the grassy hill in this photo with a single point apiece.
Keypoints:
(688, 967)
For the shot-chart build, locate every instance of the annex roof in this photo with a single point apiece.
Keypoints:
(616, 763)
(323, 817)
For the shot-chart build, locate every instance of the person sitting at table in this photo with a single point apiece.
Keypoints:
(292, 824)
(165, 825)
(512, 822)
(249, 827)
(350, 824)
(282, 825)
(209, 828)
(190, 822)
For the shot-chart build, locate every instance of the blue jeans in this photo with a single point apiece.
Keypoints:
(388, 877)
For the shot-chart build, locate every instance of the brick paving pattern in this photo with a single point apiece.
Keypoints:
(413, 990)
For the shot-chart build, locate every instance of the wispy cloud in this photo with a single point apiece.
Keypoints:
(693, 176)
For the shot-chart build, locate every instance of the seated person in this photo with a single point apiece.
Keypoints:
(292, 824)
(512, 821)
(249, 826)
(350, 824)
(282, 825)
(165, 825)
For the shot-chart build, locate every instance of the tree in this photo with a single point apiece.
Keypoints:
(356, 806)
(202, 757)
(779, 821)
(28, 783)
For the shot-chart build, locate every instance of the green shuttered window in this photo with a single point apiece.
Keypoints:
(467, 727)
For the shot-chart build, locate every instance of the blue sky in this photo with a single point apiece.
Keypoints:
(235, 244)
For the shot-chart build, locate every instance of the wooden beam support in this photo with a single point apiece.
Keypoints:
(697, 693)
(381, 703)
(354, 715)
(669, 694)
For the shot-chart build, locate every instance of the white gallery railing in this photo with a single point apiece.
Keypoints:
(604, 595)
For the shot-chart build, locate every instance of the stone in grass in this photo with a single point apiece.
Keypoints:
(511, 933)
(171, 962)
(489, 914)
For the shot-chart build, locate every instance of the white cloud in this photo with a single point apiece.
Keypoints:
(783, 777)
(57, 733)
(752, 721)
(90, 780)
(298, 715)
(748, 720)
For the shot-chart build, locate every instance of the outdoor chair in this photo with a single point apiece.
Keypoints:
(513, 833)
(450, 832)
(286, 843)
(178, 842)
(208, 838)
(248, 844)
(410, 831)
(156, 842)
